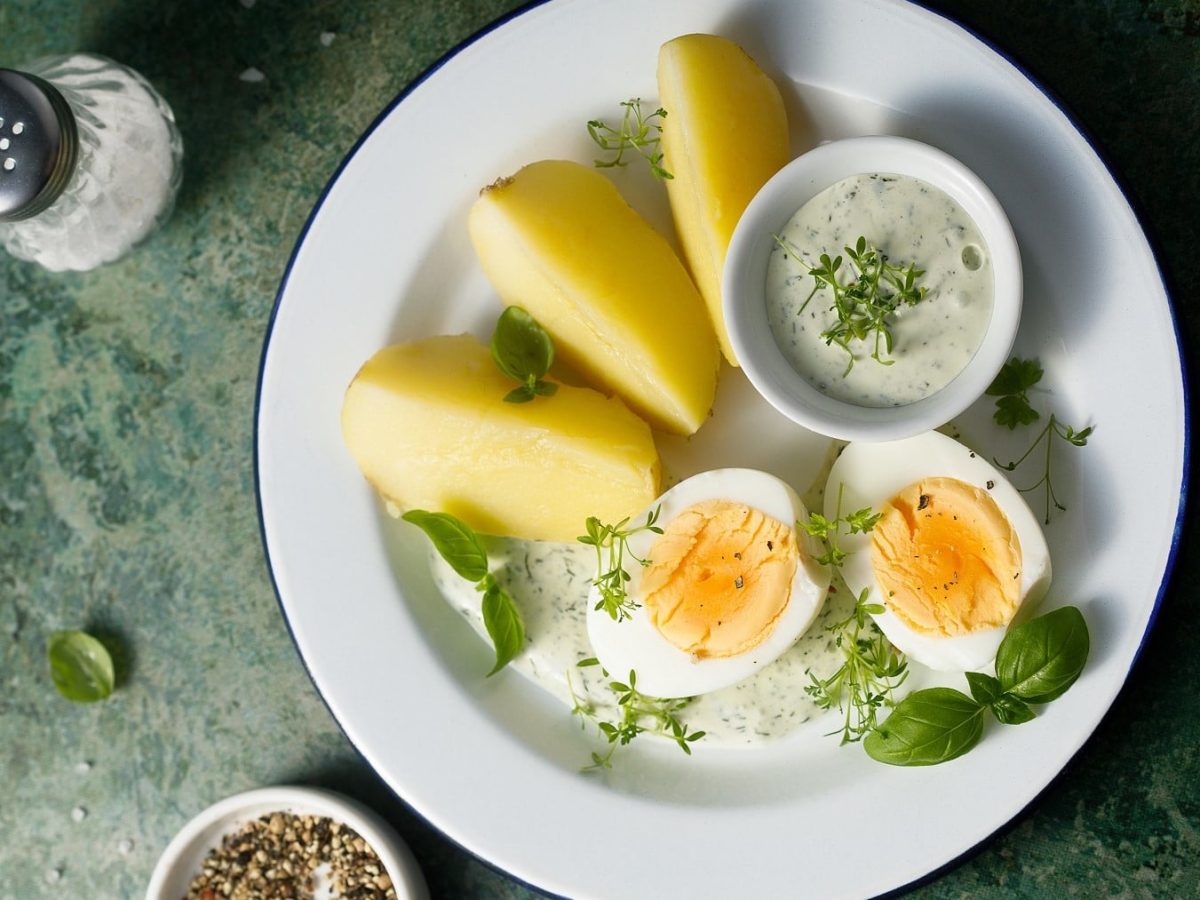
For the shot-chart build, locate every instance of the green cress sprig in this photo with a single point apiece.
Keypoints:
(871, 667)
(612, 545)
(80, 666)
(1036, 663)
(639, 713)
(637, 133)
(523, 350)
(1013, 408)
(463, 551)
(858, 522)
(865, 302)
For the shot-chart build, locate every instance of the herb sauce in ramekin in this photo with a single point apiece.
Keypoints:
(910, 221)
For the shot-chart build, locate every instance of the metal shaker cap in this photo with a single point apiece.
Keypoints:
(38, 145)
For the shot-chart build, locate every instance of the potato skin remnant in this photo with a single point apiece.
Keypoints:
(947, 558)
(719, 578)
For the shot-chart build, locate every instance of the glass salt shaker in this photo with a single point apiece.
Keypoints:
(90, 161)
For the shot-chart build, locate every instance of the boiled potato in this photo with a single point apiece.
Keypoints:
(725, 134)
(558, 239)
(427, 424)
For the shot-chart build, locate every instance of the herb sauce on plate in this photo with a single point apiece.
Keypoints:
(549, 583)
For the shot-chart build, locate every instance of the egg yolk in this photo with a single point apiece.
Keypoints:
(719, 577)
(947, 558)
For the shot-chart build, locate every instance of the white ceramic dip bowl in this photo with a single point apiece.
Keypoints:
(745, 288)
(184, 857)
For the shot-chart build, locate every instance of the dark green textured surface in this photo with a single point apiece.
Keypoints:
(126, 427)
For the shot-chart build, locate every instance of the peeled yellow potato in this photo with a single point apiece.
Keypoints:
(725, 134)
(558, 239)
(427, 424)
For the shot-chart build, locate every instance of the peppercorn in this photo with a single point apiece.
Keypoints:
(281, 856)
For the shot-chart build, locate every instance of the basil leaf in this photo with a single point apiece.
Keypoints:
(926, 728)
(463, 550)
(459, 546)
(503, 624)
(1039, 660)
(1010, 711)
(80, 666)
(520, 346)
(987, 691)
(522, 394)
(984, 688)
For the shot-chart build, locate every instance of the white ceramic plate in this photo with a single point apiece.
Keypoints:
(494, 763)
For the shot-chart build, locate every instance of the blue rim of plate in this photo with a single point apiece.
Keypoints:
(1151, 240)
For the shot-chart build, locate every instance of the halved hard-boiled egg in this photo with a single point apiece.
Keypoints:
(729, 585)
(955, 554)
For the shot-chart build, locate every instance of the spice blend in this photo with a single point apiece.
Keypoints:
(281, 856)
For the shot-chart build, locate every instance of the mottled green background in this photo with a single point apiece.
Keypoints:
(126, 424)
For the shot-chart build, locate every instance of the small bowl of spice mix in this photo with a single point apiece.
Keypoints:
(291, 843)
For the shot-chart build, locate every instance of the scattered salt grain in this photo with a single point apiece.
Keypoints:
(125, 846)
(78, 814)
(10, 619)
(83, 767)
(249, 4)
(252, 75)
(53, 876)
(327, 38)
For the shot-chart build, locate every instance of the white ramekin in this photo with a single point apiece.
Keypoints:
(744, 287)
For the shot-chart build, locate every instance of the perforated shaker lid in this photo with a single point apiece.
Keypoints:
(38, 144)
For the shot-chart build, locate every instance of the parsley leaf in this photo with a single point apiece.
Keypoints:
(1014, 410)
(1011, 386)
(1017, 376)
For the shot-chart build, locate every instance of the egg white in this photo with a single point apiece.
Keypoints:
(871, 474)
(663, 670)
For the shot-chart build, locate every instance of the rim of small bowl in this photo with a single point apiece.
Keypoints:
(181, 861)
(744, 277)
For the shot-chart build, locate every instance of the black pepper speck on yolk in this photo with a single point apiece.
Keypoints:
(721, 575)
(947, 558)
